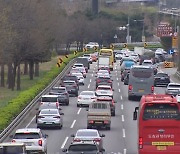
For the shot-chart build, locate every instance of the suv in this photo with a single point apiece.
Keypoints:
(83, 147)
(63, 96)
(33, 138)
(173, 89)
(71, 87)
(103, 80)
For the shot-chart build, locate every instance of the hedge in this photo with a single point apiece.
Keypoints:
(16, 105)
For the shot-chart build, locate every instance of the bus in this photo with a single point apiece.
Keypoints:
(158, 124)
(108, 53)
(141, 81)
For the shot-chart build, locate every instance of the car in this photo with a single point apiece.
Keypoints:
(142, 58)
(50, 118)
(178, 98)
(104, 90)
(127, 65)
(89, 57)
(83, 71)
(127, 59)
(161, 79)
(102, 72)
(124, 73)
(84, 61)
(104, 68)
(173, 89)
(94, 57)
(147, 62)
(78, 68)
(104, 80)
(80, 78)
(34, 139)
(111, 102)
(89, 135)
(85, 98)
(71, 77)
(135, 56)
(63, 95)
(91, 45)
(78, 65)
(71, 87)
(49, 99)
(83, 147)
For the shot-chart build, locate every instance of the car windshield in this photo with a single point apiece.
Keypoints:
(87, 133)
(174, 86)
(161, 75)
(26, 135)
(83, 147)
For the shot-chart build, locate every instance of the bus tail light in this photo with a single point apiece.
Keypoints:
(152, 89)
(91, 121)
(140, 143)
(106, 122)
(130, 87)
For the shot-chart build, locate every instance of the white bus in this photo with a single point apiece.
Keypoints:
(141, 81)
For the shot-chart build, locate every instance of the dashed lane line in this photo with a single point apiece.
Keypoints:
(88, 86)
(30, 121)
(122, 116)
(122, 107)
(124, 133)
(78, 112)
(73, 123)
(64, 143)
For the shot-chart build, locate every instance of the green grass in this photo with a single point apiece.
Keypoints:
(7, 94)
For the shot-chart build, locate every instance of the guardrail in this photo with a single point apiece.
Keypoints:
(20, 117)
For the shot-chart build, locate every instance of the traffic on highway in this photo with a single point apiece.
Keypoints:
(96, 107)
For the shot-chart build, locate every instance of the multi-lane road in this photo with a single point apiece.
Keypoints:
(121, 139)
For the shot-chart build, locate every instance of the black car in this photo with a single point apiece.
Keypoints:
(126, 79)
(161, 79)
(71, 87)
(63, 95)
(103, 80)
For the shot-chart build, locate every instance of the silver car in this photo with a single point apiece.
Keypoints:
(89, 135)
(173, 89)
(50, 118)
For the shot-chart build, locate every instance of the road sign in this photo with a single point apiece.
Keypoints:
(175, 42)
(171, 51)
(164, 30)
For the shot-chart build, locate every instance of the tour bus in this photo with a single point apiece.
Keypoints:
(158, 124)
(141, 81)
(108, 53)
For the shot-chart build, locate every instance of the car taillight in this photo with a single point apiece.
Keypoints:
(140, 143)
(93, 97)
(77, 140)
(58, 117)
(40, 142)
(97, 140)
(98, 80)
(152, 89)
(90, 121)
(40, 117)
(57, 104)
(106, 122)
(13, 141)
(109, 81)
(130, 87)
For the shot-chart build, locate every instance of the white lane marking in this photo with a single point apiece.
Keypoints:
(117, 78)
(118, 83)
(92, 74)
(30, 121)
(88, 85)
(122, 118)
(121, 98)
(122, 107)
(119, 90)
(163, 72)
(90, 80)
(79, 110)
(124, 134)
(125, 150)
(64, 143)
(72, 125)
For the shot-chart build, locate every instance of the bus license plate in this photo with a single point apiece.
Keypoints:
(141, 90)
(161, 148)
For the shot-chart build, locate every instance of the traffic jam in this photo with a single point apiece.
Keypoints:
(157, 114)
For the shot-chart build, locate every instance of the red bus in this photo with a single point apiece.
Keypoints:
(158, 124)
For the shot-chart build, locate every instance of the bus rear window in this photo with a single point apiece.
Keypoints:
(142, 74)
(105, 53)
(160, 111)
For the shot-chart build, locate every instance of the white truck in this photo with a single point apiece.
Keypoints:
(103, 61)
(139, 50)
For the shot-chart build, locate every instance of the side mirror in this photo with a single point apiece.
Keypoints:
(72, 135)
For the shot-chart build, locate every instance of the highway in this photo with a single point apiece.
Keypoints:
(121, 139)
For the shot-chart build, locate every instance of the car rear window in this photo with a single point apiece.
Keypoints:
(49, 99)
(82, 147)
(26, 135)
(174, 86)
(142, 73)
(86, 133)
(49, 112)
(104, 88)
(87, 93)
(160, 111)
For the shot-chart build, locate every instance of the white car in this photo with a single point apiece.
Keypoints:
(104, 90)
(33, 138)
(178, 98)
(78, 65)
(91, 45)
(80, 77)
(85, 98)
(103, 72)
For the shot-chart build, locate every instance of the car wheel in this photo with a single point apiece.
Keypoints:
(129, 97)
(113, 114)
(67, 103)
(78, 105)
